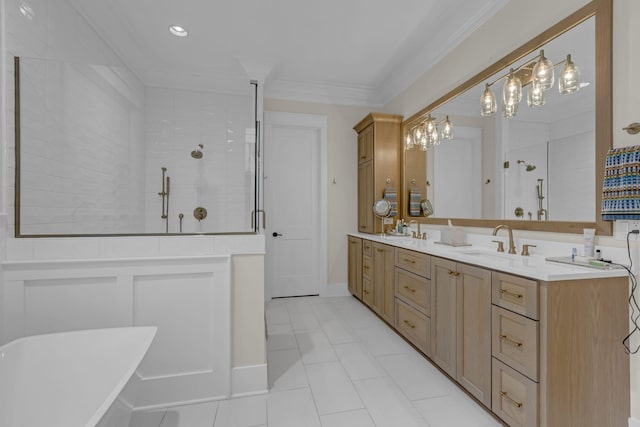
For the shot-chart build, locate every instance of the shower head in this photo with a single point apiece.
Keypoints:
(197, 153)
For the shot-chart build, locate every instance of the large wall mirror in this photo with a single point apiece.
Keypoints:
(536, 164)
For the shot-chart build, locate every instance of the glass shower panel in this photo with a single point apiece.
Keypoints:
(100, 153)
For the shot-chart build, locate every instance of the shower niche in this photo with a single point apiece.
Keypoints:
(100, 153)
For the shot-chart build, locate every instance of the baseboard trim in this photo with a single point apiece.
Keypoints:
(337, 290)
(249, 380)
(634, 422)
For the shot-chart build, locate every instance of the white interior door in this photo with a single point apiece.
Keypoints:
(291, 199)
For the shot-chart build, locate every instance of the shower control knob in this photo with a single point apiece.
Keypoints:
(276, 234)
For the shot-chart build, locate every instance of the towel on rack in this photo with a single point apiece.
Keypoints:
(415, 196)
(391, 195)
(621, 187)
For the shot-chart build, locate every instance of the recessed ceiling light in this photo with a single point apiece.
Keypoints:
(179, 31)
(26, 10)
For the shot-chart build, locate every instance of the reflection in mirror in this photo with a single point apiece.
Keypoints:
(536, 163)
(99, 150)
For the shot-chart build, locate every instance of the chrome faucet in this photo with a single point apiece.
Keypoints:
(512, 247)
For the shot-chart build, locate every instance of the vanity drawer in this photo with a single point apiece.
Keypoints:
(414, 289)
(415, 326)
(366, 267)
(515, 293)
(514, 397)
(414, 262)
(367, 247)
(367, 292)
(514, 340)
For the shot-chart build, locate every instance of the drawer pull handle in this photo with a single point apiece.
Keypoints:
(511, 294)
(363, 157)
(366, 267)
(510, 399)
(380, 250)
(409, 289)
(410, 261)
(454, 273)
(510, 341)
(410, 324)
(366, 292)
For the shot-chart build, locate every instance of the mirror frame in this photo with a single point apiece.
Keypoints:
(602, 10)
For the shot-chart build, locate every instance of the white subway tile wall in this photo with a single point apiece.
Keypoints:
(91, 154)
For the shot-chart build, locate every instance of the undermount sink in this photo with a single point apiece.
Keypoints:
(490, 255)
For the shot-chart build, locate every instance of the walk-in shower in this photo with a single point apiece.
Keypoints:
(90, 153)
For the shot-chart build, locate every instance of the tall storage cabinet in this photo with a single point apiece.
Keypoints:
(379, 154)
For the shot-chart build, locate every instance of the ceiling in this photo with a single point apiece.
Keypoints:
(358, 52)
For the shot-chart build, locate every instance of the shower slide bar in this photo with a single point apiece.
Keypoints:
(165, 198)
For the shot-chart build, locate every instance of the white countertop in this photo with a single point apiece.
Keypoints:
(532, 266)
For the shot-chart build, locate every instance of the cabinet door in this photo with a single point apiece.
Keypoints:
(355, 266)
(474, 331)
(365, 144)
(443, 314)
(383, 281)
(365, 197)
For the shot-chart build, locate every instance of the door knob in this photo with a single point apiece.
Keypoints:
(276, 234)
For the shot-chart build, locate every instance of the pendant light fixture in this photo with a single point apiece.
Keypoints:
(512, 89)
(541, 78)
(447, 129)
(543, 73)
(488, 105)
(426, 133)
(535, 95)
(509, 111)
(569, 77)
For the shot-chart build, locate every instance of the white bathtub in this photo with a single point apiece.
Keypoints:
(67, 379)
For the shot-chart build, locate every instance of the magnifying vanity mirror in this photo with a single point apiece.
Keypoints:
(535, 164)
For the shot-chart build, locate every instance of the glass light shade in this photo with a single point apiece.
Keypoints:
(543, 72)
(509, 111)
(569, 81)
(429, 125)
(434, 136)
(408, 141)
(447, 129)
(488, 105)
(416, 134)
(535, 96)
(512, 90)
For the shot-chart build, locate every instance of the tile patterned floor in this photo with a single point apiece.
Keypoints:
(333, 363)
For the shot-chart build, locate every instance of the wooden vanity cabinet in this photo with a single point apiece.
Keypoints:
(355, 266)
(557, 354)
(536, 353)
(461, 324)
(413, 297)
(379, 154)
(383, 277)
